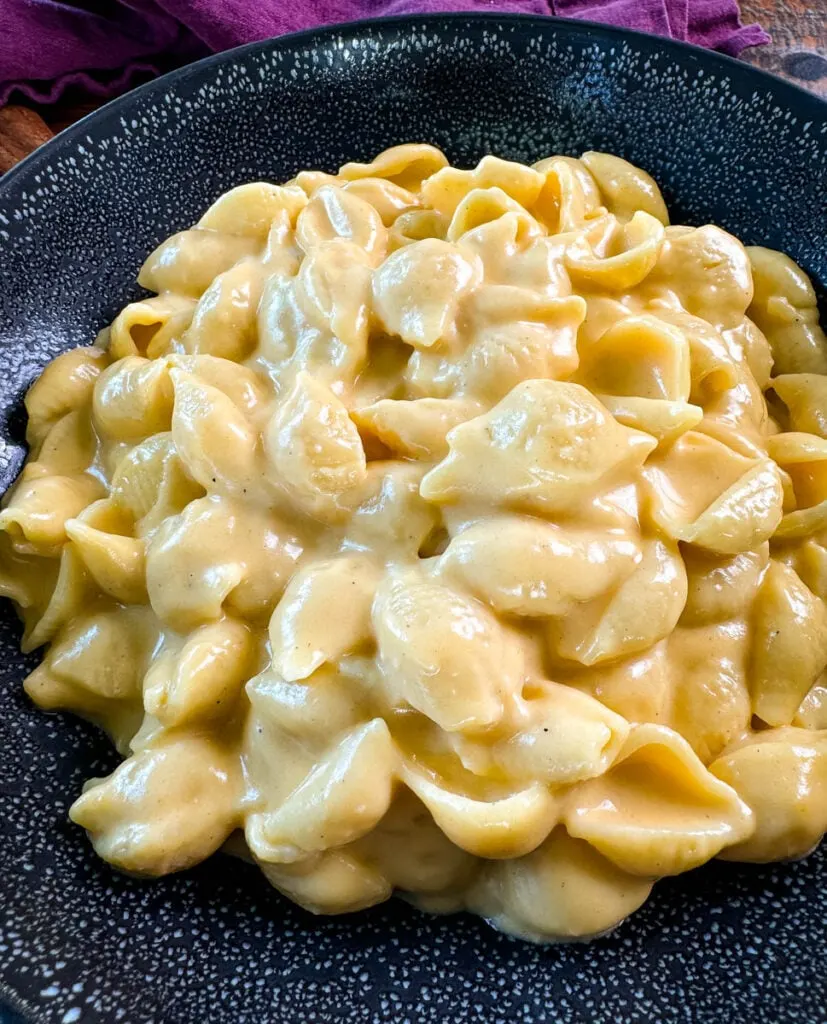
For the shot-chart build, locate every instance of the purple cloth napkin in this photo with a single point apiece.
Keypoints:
(47, 45)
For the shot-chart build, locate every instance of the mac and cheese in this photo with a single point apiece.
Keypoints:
(461, 533)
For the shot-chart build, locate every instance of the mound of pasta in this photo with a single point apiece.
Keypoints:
(460, 533)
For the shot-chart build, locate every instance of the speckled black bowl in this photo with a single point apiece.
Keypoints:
(724, 945)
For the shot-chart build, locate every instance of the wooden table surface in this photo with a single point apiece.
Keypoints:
(798, 52)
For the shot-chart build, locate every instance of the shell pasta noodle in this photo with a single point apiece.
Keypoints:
(456, 533)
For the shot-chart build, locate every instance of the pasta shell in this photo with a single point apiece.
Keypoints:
(406, 166)
(69, 447)
(709, 272)
(446, 189)
(481, 206)
(515, 251)
(38, 507)
(165, 808)
(632, 255)
(655, 363)
(212, 436)
(721, 587)
(414, 226)
(803, 457)
(303, 634)
(250, 209)
(664, 420)
(342, 798)
(564, 890)
(388, 199)
(313, 710)
(561, 736)
(625, 188)
(243, 386)
(704, 493)
(712, 367)
(785, 309)
(789, 644)
(120, 720)
(334, 213)
(744, 516)
(544, 448)
(333, 288)
(315, 451)
(782, 775)
(105, 653)
(392, 520)
(812, 712)
(809, 560)
(569, 197)
(602, 313)
(94, 669)
(216, 551)
(417, 290)
(73, 589)
(151, 483)
(657, 811)
(65, 384)
(641, 611)
(333, 882)
(523, 184)
(188, 262)
(443, 653)
(289, 343)
(710, 700)
(309, 181)
(224, 321)
(517, 337)
(752, 348)
(502, 828)
(430, 374)
(805, 396)
(150, 327)
(203, 680)
(523, 566)
(133, 399)
(414, 429)
(28, 580)
(795, 449)
(115, 562)
(281, 254)
(638, 688)
(412, 852)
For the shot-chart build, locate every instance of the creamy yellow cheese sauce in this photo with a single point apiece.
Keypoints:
(455, 532)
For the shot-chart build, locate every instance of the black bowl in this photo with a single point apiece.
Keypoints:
(78, 942)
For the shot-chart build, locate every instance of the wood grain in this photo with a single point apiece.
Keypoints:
(21, 131)
(798, 52)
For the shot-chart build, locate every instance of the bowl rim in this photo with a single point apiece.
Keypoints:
(734, 67)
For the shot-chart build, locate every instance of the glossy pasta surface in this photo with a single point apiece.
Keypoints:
(460, 533)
